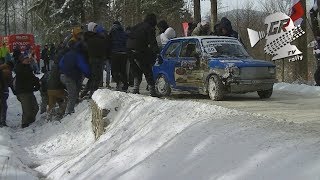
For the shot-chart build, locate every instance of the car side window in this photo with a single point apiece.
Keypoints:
(190, 48)
(172, 50)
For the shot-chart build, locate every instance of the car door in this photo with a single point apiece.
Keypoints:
(170, 61)
(187, 72)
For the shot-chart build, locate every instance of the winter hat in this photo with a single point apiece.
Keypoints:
(91, 26)
(162, 26)
(225, 23)
(151, 19)
(100, 29)
(203, 23)
(170, 33)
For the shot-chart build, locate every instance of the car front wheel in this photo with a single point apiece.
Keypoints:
(215, 88)
(162, 86)
(265, 93)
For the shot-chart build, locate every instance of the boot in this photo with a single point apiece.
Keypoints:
(136, 86)
(125, 87)
(118, 87)
(152, 90)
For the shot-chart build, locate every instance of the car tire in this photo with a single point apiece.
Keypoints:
(162, 86)
(265, 94)
(215, 88)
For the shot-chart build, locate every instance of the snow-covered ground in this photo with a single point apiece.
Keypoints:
(151, 138)
(297, 89)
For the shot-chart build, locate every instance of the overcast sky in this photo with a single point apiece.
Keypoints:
(226, 5)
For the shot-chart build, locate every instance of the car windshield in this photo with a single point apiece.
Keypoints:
(224, 48)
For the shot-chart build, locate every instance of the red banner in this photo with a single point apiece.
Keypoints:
(185, 27)
(22, 40)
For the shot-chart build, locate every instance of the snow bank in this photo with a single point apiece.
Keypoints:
(149, 138)
(297, 89)
(11, 167)
(45, 146)
(155, 139)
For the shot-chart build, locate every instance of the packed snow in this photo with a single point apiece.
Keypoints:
(151, 138)
(297, 89)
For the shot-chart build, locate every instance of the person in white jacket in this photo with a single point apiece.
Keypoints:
(169, 33)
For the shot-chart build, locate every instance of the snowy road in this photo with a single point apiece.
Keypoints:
(282, 105)
(290, 107)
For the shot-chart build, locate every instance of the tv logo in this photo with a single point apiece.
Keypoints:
(280, 32)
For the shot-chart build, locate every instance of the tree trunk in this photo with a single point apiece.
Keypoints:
(196, 11)
(138, 12)
(82, 13)
(303, 47)
(26, 16)
(214, 13)
(6, 18)
(14, 19)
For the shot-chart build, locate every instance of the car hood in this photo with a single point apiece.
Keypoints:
(222, 63)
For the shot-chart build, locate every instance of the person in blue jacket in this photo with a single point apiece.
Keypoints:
(73, 65)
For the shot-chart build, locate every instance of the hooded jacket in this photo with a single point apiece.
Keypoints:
(96, 44)
(143, 36)
(167, 35)
(54, 82)
(118, 39)
(73, 64)
(225, 23)
(26, 81)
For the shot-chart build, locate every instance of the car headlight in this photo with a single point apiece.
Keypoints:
(272, 70)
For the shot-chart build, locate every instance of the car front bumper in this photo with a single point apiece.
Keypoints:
(244, 86)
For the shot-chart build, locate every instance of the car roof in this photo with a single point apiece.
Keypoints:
(204, 37)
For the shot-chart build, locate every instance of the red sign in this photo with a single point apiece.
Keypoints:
(22, 40)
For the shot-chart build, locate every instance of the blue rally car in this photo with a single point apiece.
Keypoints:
(211, 65)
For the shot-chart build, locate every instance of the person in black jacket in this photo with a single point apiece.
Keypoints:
(96, 47)
(43, 90)
(119, 55)
(143, 49)
(25, 84)
(227, 30)
(45, 57)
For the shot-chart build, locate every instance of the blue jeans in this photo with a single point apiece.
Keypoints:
(73, 92)
(35, 67)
